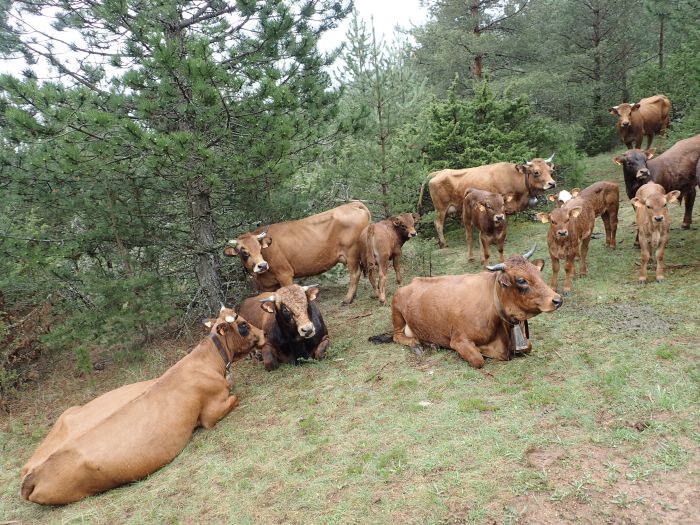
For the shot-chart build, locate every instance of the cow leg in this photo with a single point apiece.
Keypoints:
(660, 252)
(320, 351)
(688, 216)
(383, 270)
(555, 272)
(217, 408)
(397, 267)
(485, 252)
(584, 253)
(355, 273)
(268, 357)
(646, 255)
(501, 242)
(399, 333)
(470, 240)
(439, 223)
(650, 139)
(569, 269)
(467, 350)
(372, 276)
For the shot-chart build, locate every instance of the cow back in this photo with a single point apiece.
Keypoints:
(677, 168)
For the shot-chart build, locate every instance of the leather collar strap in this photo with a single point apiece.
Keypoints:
(222, 351)
(527, 182)
(499, 306)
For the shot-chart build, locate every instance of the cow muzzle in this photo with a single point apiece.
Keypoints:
(412, 234)
(498, 218)
(625, 124)
(643, 173)
(658, 218)
(550, 185)
(562, 233)
(557, 301)
(307, 330)
(261, 267)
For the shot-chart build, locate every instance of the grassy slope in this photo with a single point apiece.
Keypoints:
(600, 423)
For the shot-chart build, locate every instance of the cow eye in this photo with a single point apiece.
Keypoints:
(521, 282)
(245, 256)
(648, 207)
(286, 311)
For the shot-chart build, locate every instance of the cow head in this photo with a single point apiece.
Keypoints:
(538, 174)
(654, 204)
(634, 164)
(560, 220)
(291, 305)
(249, 246)
(624, 112)
(237, 335)
(520, 289)
(494, 206)
(405, 224)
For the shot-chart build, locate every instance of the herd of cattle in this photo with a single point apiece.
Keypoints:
(97, 446)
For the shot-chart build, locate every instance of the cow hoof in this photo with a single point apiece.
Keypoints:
(642, 281)
(685, 226)
(346, 302)
(417, 350)
(660, 280)
(566, 293)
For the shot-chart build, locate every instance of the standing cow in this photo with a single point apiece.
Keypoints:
(653, 224)
(278, 253)
(380, 243)
(473, 314)
(523, 181)
(486, 212)
(647, 117)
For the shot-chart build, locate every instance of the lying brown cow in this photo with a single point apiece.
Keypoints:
(523, 181)
(473, 314)
(569, 233)
(486, 212)
(647, 117)
(293, 325)
(128, 433)
(604, 198)
(653, 225)
(278, 253)
(380, 243)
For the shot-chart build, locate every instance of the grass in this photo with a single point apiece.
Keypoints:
(600, 421)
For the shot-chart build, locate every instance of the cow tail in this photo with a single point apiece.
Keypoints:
(27, 486)
(381, 339)
(419, 206)
(369, 249)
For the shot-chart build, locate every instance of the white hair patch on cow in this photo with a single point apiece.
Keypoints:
(229, 319)
(564, 196)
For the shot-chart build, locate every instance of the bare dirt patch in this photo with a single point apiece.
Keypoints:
(630, 317)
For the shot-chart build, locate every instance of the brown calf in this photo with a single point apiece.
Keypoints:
(473, 314)
(569, 233)
(139, 428)
(380, 243)
(653, 223)
(486, 212)
(647, 117)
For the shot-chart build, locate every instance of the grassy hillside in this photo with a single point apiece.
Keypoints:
(600, 424)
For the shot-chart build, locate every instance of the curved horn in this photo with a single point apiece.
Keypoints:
(308, 286)
(528, 163)
(222, 307)
(549, 159)
(233, 242)
(230, 318)
(530, 253)
(270, 299)
(261, 235)
(496, 267)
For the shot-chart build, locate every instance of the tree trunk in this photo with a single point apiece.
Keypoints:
(477, 69)
(597, 60)
(661, 42)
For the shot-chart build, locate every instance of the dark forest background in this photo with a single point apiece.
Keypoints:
(174, 126)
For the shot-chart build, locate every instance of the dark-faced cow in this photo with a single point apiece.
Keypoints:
(293, 325)
(569, 233)
(523, 181)
(473, 314)
(675, 169)
(650, 204)
(380, 243)
(127, 434)
(604, 197)
(278, 253)
(648, 117)
(486, 212)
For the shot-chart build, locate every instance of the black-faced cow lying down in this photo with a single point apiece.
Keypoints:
(474, 314)
(486, 212)
(293, 325)
(381, 242)
(278, 253)
(128, 433)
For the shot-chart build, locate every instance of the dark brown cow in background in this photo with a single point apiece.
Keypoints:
(278, 253)
(648, 117)
(523, 181)
(653, 224)
(380, 243)
(486, 212)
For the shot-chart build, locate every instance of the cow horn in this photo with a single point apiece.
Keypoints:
(530, 253)
(230, 318)
(309, 286)
(270, 299)
(496, 267)
(233, 242)
(261, 235)
(549, 159)
(222, 307)
(528, 163)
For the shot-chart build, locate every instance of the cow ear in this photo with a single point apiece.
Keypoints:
(672, 196)
(552, 197)
(221, 329)
(503, 279)
(636, 202)
(539, 263)
(575, 192)
(311, 294)
(230, 251)
(266, 241)
(416, 217)
(269, 307)
(521, 168)
(543, 217)
(613, 111)
(482, 207)
(509, 197)
(575, 212)
(635, 106)
(619, 159)
(396, 221)
(207, 323)
(650, 153)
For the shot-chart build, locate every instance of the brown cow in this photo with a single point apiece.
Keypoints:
(486, 212)
(473, 314)
(305, 247)
(604, 198)
(293, 325)
(653, 225)
(137, 430)
(380, 243)
(523, 181)
(647, 117)
(569, 233)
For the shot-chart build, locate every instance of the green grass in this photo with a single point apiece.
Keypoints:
(590, 425)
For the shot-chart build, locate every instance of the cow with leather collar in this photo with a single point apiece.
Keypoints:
(473, 314)
(126, 434)
(524, 181)
(293, 326)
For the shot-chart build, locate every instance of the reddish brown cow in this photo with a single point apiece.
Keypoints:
(278, 253)
(604, 198)
(647, 117)
(653, 225)
(473, 314)
(569, 233)
(486, 212)
(523, 181)
(380, 243)
(127, 434)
